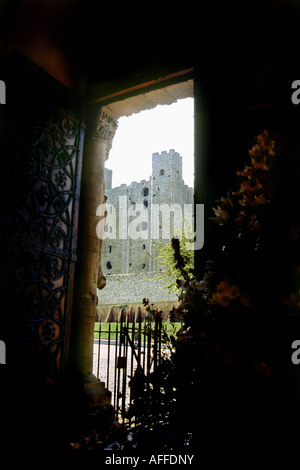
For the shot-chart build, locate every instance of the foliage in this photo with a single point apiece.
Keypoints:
(167, 265)
(169, 330)
(229, 354)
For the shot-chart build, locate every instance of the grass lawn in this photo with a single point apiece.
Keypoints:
(168, 327)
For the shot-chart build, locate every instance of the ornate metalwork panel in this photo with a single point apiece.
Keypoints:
(38, 243)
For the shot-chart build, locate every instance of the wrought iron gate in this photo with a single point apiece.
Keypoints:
(38, 238)
(119, 349)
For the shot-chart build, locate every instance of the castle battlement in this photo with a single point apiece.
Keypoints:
(165, 153)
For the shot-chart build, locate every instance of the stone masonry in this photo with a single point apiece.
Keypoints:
(138, 210)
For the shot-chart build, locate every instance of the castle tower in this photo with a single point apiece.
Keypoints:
(107, 179)
(127, 255)
(167, 182)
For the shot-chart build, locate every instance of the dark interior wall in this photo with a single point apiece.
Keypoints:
(233, 104)
(49, 33)
(108, 43)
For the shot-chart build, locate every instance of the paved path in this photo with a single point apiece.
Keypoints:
(103, 369)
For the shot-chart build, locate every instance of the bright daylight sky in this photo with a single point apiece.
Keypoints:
(155, 130)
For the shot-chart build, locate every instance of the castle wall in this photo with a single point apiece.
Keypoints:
(129, 210)
(122, 289)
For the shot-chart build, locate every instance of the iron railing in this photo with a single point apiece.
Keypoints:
(120, 348)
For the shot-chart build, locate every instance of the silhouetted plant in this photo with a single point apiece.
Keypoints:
(230, 353)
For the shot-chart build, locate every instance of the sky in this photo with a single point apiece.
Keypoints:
(139, 135)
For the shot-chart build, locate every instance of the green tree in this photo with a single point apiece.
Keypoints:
(164, 256)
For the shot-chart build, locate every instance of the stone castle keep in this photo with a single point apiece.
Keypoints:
(126, 263)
